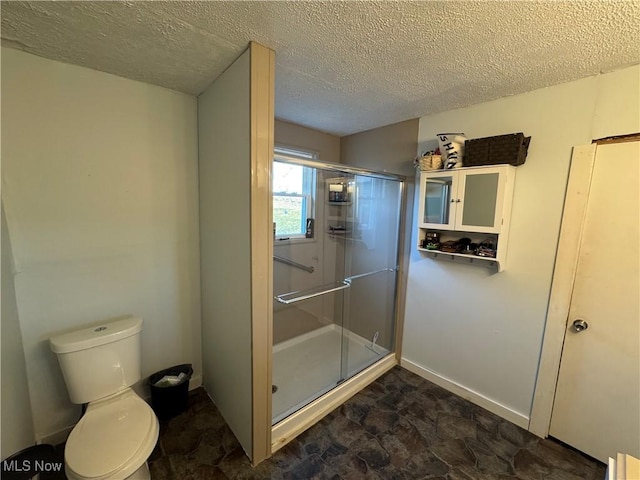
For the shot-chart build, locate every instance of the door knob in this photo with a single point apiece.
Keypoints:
(580, 325)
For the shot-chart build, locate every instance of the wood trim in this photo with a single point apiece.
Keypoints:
(632, 137)
(573, 216)
(404, 249)
(262, 125)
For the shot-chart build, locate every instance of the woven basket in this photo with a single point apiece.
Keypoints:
(511, 149)
(430, 162)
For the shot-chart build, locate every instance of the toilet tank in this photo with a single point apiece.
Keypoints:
(100, 360)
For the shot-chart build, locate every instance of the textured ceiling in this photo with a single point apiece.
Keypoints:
(341, 67)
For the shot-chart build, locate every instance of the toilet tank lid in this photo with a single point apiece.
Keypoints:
(106, 332)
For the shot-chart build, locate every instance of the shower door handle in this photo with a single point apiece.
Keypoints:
(353, 277)
(293, 297)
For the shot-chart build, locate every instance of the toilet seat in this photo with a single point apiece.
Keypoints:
(115, 436)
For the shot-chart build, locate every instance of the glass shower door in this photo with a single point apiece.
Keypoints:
(334, 286)
(307, 366)
(371, 262)
(309, 290)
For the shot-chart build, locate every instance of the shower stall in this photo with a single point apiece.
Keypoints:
(291, 327)
(335, 273)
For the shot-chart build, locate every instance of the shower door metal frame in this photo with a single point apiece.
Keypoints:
(288, 428)
(293, 297)
(340, 168)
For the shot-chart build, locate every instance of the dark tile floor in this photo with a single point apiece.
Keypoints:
(400, 427)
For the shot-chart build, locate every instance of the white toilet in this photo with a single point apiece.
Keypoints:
(118, 430)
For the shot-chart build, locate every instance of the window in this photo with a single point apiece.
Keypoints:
(294, 189)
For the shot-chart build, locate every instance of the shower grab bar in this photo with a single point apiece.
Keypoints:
(293, 264)
(353, 277)
(314, 292)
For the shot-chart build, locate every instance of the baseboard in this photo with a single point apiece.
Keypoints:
(468, 394)
(195, 382)
(58, 437)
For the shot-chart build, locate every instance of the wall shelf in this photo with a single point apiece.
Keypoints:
(472, 202)
(489, 262)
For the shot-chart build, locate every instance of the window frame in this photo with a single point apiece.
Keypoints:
(284, 154)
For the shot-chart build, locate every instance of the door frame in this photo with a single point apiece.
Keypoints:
(564, 272)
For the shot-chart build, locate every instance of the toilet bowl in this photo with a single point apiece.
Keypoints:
(112, 440)
(119, 430)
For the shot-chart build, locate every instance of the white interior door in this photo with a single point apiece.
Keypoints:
(597, 402)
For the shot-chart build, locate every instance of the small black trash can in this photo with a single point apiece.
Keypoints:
(170, 400)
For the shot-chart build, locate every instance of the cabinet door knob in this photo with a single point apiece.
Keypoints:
(457, 200)
(452, 200)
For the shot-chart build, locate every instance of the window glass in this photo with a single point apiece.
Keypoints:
(293, 193)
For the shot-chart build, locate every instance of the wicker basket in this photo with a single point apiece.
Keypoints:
(430, 162)
(511, 149)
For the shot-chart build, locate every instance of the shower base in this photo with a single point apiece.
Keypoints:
(308, 366)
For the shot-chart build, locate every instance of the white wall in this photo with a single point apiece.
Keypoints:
(17, 420)
(484, 331)
(224, 111)
(101, 197)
